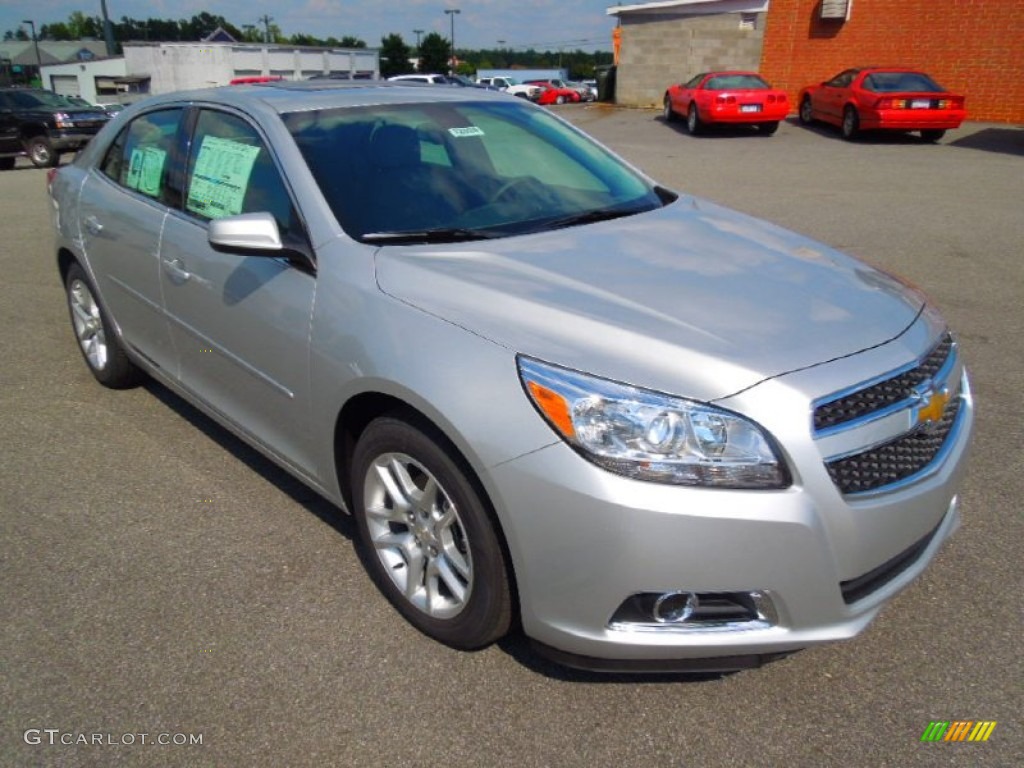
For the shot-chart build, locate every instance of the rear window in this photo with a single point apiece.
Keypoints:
(895, 82)
(735, 83)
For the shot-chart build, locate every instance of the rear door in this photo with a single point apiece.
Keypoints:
(124, 202)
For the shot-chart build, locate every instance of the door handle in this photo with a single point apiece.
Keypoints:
(93, 225)
(176, 269)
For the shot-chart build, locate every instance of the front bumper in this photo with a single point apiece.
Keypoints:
(583, 541)
(70, 140)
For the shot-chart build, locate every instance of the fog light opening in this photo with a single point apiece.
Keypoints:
(674, 607)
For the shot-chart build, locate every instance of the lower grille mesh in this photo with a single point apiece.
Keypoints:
(896, 460)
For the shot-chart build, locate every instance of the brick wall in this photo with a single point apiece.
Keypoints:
(661, 49)
(974, 47)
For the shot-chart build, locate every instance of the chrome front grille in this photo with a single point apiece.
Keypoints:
(884, 394)
(894, 461)
(891, 430)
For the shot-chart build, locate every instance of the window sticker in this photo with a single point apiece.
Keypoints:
(461, 133)
(146, 169)
(221, 177)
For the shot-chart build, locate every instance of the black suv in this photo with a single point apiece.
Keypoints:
(43, 125)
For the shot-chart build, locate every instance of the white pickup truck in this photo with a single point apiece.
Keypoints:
(513, 86)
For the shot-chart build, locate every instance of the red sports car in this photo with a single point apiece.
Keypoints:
(727, 97)
(883, 98)
(551, 94)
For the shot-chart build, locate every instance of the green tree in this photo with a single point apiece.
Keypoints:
(394, 56)
(349, 41)
(81, 26)
(434, 53)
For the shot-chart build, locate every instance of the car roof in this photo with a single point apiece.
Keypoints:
(308, 95)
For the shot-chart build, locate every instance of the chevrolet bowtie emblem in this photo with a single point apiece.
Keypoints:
(933, 405)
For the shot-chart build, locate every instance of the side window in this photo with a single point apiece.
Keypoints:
(230, 171)
(139, 158)
(694, 82)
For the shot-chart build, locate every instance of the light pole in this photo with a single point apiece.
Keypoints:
(35, 42)
(418, 32)
(450, 13)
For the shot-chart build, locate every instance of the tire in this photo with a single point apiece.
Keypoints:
(768, 129)
(806, 113)
(95, 334)
(932, 135)
(426, 536)
(851, 123)
(41, 152)
(670, 115)
(560, 99)
(6, 163)
(693, 122)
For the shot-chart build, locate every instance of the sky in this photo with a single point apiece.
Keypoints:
(521, 24)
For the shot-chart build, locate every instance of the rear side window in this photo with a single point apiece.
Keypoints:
(139, 158)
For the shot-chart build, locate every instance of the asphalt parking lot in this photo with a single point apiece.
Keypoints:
(160, 578)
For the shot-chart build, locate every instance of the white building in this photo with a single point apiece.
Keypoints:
(165, 67)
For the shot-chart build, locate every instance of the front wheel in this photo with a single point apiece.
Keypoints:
(932, 135)
(560, 99)
(806, 111)
(41, 152)
(97, 340)
(426, 536)
(693, 122)
(851, 123)
(670, 115)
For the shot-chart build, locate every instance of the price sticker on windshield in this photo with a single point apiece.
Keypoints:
(461, 133)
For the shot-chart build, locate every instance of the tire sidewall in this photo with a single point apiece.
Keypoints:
(693, 119)
(486, 615)
(806, 113)
(41, 152)
(850, 123)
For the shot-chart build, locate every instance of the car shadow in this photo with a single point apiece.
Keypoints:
(1007, 141)
(712, 131)
(295, 489)
(891, 138)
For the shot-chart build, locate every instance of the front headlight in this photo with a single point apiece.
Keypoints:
(650, 436)
(63, 120)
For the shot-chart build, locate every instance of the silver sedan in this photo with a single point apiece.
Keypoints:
(654, 433)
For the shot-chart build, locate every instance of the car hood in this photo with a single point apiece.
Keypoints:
(691, 299)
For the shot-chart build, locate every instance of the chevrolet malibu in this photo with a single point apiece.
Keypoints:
(653, 433)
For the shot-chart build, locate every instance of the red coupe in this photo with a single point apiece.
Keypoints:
(883, 98)
(727, 97)
(551, 94)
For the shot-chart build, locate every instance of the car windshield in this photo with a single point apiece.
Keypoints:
(461, 170)
(735, 83)
(895, 82)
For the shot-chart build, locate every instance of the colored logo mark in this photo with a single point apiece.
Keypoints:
(958, 730)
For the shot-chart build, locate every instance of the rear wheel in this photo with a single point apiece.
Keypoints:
(806, 111)
(97, 340)
(851, 123)
(932, 135)
(41, 152)
(768, 128)
(693, 122)
(426, 536)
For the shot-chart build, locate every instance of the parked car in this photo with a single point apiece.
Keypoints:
(653, 432)
(726, 97)
(585, 91)
(513, 86)
(551, 94)
(877, 98)
(42, 125)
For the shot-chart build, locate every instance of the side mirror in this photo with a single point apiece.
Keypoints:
(249, 233)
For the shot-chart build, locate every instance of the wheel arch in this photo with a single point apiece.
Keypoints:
(356, 415)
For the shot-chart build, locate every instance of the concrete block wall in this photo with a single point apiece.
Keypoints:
(661, 49)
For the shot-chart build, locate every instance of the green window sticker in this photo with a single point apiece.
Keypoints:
(220, 178)
(146, 169)
(461, 133)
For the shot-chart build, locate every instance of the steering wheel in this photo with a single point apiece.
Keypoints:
(509, 185)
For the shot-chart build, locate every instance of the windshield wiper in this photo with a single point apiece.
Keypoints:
(439, 235)
(600, 214)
